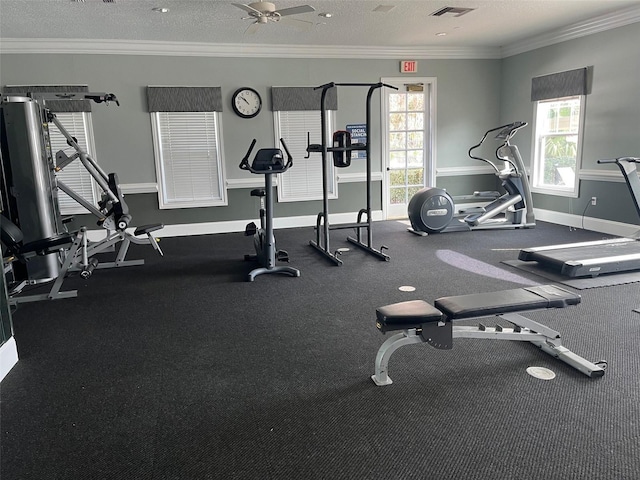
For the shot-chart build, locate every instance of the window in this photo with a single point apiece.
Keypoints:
(406, 130)
(188, 159)
(304, 180)
(187, 142)
(296, 115)
(558, 130)
(559, 109)
(74, 175)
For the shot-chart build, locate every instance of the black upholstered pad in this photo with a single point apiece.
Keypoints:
(47, 245)
(404, 315)
(505, 301)
(148, 228)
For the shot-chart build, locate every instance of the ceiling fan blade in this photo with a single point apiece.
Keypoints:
(296, 10)
(253, 28)
(298, 24)
(247, 8)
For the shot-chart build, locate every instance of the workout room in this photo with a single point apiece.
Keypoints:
(319, 240)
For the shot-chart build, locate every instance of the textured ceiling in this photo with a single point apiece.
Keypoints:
(493, 23)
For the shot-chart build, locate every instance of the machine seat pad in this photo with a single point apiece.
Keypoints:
(405, 315)
(148, 228)
(47, 245)
(505, 301)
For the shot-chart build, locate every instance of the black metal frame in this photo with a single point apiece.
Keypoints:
(321, 242)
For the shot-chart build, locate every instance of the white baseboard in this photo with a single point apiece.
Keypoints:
(588, 223)
(208, 228)
(8, 357)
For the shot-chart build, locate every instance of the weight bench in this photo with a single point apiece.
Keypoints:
(421, 322)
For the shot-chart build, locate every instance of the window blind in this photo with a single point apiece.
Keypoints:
(189, 159)
(304, 180)
(73, 175)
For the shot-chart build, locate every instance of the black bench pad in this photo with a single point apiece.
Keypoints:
(148, 228)
(505, 301)
(404, 315)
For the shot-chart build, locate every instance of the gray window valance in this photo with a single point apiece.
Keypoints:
(302, 98)
(184, 99)
(558, 85)
(56, 106)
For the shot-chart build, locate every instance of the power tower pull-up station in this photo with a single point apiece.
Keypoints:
(341, 153)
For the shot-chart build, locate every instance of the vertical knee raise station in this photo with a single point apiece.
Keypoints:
(421, 322)
(341, 155)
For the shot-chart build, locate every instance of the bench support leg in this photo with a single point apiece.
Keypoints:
(576, 361)
(545, 338)
(386, 350)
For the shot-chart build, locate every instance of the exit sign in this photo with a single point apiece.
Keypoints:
(408, 66)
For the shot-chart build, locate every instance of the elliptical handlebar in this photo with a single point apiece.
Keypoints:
(505, 132)
(620, 159)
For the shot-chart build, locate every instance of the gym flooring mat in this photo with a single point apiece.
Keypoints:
(181, 369)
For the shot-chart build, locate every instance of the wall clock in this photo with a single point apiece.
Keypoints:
(246, 102)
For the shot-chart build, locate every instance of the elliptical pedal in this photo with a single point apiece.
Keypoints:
(250, 229)
(282, 256)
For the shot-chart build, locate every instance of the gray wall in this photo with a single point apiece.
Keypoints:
(472, 96)
(468, 101)
(612, 122)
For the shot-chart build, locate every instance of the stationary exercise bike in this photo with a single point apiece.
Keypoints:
(267, 162)
(433, 210)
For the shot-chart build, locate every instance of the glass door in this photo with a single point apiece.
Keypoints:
(408, 142)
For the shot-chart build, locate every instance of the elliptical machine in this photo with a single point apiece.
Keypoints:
(432, 210)
(267, 162)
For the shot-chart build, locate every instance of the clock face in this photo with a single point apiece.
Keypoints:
(246, 102)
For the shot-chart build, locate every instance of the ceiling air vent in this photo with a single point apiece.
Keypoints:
(453, 11)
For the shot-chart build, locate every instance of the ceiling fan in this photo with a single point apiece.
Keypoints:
(265, 12)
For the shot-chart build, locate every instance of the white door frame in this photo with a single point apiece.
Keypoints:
(430, 84)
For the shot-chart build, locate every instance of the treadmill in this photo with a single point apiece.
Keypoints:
(590, 259)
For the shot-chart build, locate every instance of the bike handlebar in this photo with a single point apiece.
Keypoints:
(244, 164)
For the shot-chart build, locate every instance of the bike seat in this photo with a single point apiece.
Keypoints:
(258, 192)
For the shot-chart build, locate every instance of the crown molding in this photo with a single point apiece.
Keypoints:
(236, 50)
(620, 18)
(599, 24)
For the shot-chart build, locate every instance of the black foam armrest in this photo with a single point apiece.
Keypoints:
(505, 301)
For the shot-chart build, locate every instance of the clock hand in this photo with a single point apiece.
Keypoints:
(245, 100)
